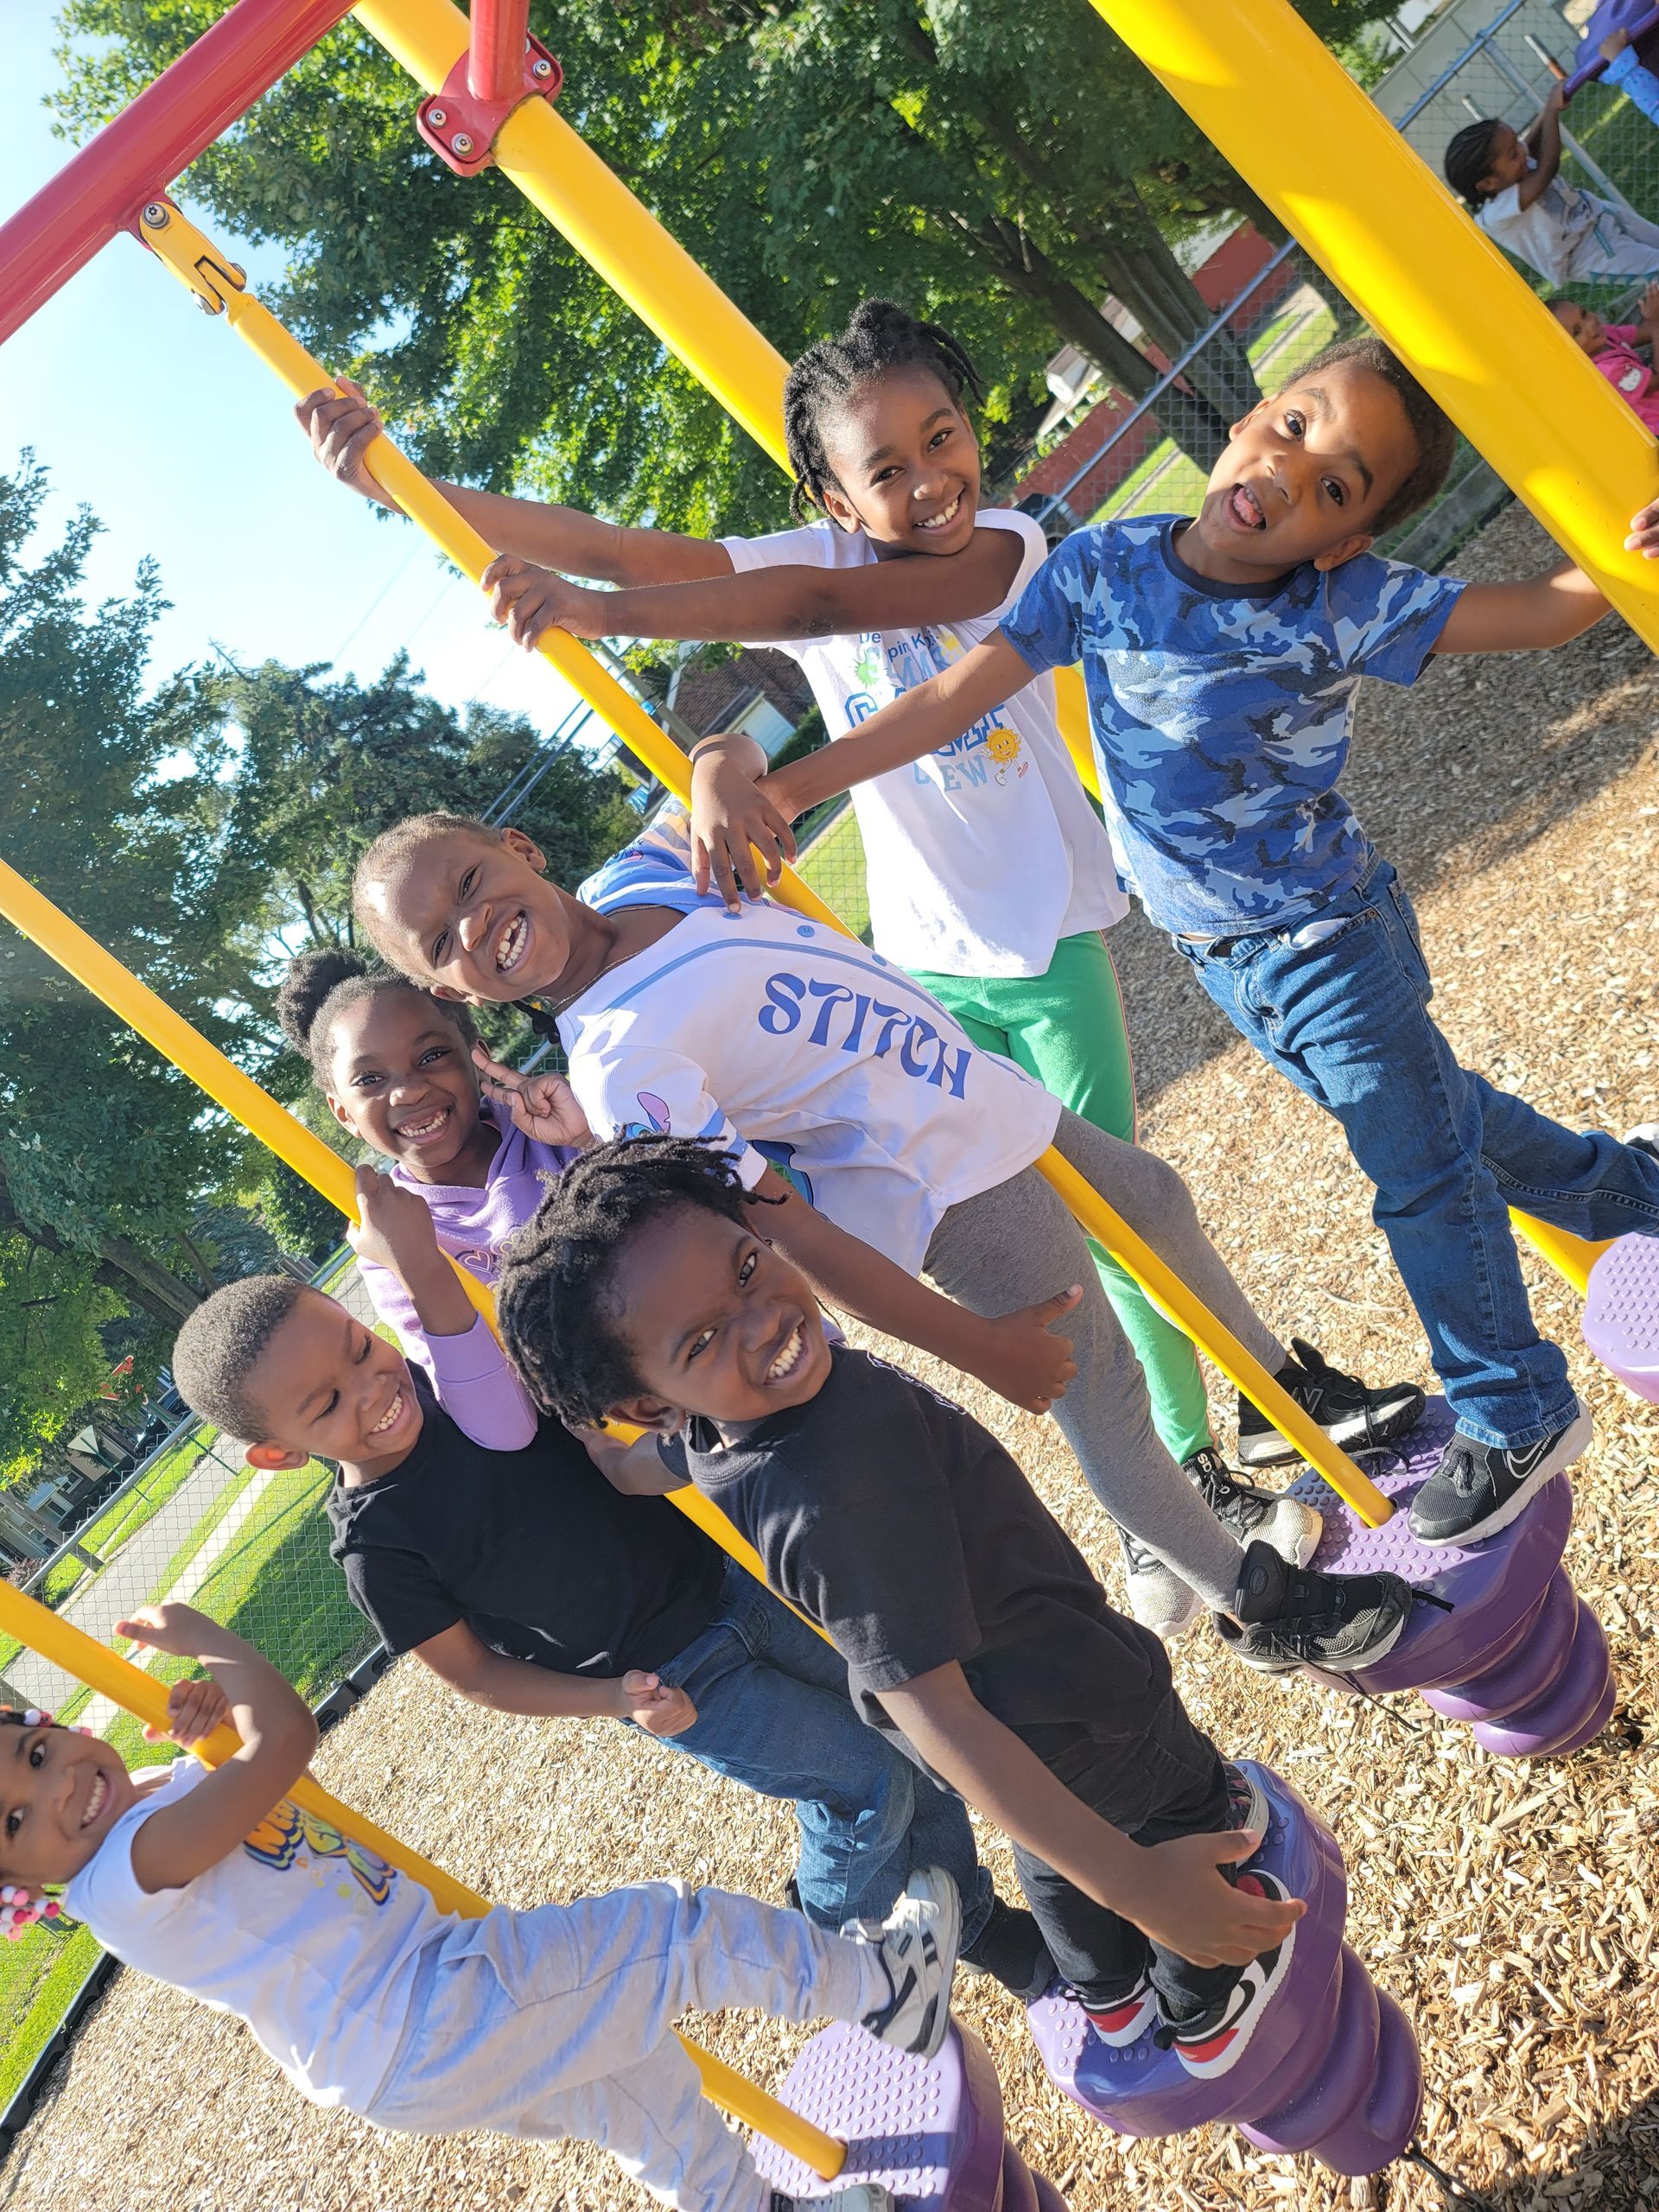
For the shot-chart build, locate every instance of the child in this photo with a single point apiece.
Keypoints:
(552, 2023)
(1222, 656)
(1622, 351)
(647, 1292)
(910, 1144)
(484, 1542)
(991, 880)
(1521, 199)
(400, 1070)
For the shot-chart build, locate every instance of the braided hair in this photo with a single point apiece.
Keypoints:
(321, 985)
(20, 1906)
(555, 1301)
(1432, 429)
(222, 1343)
(1469, 156)
(882, 336)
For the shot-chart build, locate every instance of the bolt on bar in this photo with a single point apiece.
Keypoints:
(100, 190)
(142, 1694)
(212, 277)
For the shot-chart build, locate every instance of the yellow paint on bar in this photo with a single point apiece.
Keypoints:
(144, 1696)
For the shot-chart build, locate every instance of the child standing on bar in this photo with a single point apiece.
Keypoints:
(554, 2023)
(1222, 654)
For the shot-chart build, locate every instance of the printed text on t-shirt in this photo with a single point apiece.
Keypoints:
(786, 1007)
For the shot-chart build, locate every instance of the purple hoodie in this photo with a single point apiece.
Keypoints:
(472, 1226)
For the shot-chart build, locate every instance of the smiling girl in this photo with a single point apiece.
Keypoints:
(405, 1073)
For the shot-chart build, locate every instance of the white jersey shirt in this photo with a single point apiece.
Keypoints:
(983, 855)
(308, 1936)
(785, 1041)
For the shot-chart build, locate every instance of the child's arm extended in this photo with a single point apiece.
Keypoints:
(475, 1385)
(1546, 610)
(341, 430)
(1012, 1354)
(278, 1736)
(1172, 1892)
(734, 806)
(787, 602)
(1544, 142)
(514, 1686)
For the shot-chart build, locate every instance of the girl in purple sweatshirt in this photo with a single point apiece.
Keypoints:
(405, 1073)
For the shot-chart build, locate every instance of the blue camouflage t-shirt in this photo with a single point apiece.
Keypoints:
(1222, 718)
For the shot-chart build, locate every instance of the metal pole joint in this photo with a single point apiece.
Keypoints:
(210, 280)
(461, 127)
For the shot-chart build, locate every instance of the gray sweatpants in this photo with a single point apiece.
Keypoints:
(559, 2022)
(1020, 1241)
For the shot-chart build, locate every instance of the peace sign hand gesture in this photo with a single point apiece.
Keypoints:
(543, 1106)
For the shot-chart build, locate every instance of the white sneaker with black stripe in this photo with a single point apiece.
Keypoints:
(1355, 1417)
(917, 1943)
(1478, 1489)
(1294, 1529)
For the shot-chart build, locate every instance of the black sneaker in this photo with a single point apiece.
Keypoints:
(1478, 1489)
(857, 2196)
(1214, 2041)
(1290, 1617)
(1354, 1417)
(1012, 1949)
(1294, 1529)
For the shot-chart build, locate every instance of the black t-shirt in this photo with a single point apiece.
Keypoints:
(533, 1549)
(893, 1519)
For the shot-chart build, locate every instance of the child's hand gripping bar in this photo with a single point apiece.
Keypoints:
(141, 1695)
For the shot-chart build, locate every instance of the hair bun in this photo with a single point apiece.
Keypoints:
(310, 982)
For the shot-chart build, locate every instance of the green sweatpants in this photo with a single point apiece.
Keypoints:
(1066, 1028)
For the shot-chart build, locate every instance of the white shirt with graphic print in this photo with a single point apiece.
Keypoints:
(306, 1935)
(983, 855)
(785, 1041)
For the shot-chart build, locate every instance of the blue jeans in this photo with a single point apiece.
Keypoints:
(773, 1710)
(1347, 1018)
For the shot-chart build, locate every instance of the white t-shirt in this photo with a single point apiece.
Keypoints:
(1565, 233)
(981, 855)
(303, 1934)
(784, 1040)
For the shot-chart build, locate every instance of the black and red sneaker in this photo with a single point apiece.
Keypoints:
(1128, 2020)
(1217, 2039)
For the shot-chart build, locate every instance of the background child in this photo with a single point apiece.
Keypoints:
(483, 1542)
(990, 878)
(912, 1147)
(1521, 199)
(968, 1620)
(552, 2023)
(1622, 351)
(401, 1071)
(1222, 656)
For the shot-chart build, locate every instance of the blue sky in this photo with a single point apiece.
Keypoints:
(155, 416)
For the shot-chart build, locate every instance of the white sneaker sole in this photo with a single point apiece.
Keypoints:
(1269, 1449)
(1575, 1441)
(1211, 2069)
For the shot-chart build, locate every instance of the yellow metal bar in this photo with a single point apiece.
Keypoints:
(1572, 1256)
(643, 263)
(1386, 231)
(108, 1674)
(212, 277)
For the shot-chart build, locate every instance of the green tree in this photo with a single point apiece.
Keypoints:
(104, 1149)
(53, 1358)
(1001, 168)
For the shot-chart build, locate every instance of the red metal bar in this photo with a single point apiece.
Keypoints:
(138, 153)
(495, 53)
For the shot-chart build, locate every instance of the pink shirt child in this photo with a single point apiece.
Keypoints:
(1629, 375)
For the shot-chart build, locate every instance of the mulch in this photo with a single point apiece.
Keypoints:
(1509, 1905)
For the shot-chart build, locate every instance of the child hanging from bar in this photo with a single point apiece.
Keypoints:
(788, 1043)
(555, 2022)
(1222, 654)
(1517, 194)
(990, 878)
(647, 1291)
(477, 1537)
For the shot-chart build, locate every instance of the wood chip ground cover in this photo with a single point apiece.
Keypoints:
(1511, 1906)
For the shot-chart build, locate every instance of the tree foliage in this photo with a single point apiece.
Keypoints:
(998, 166)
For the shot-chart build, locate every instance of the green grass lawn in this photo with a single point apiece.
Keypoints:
(127, 1516)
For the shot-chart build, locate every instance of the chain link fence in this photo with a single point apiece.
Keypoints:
(194, 1523)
